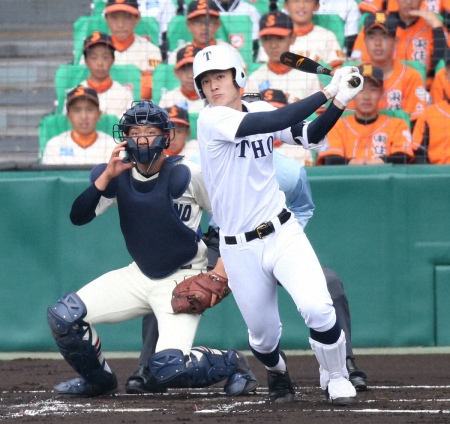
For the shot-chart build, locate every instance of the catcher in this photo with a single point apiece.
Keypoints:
(159, 199)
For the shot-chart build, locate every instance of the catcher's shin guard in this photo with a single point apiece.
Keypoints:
(202, 368)
(333, 371)
(69, 331)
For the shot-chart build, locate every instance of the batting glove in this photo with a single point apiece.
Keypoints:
(333, 86)
(346, 91)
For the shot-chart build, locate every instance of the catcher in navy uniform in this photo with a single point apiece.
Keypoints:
(159, 199)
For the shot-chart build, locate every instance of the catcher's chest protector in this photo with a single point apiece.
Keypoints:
(155, 236)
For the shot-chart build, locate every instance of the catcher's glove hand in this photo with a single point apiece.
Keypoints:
(196, 294)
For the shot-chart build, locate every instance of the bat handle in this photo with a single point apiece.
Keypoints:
(354, 81)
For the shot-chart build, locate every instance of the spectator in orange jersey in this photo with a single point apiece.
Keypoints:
(431, 142)
(367, 137)
(437, 6)
(420, 33)
(440, 87)
(122, 16)
(403, 85)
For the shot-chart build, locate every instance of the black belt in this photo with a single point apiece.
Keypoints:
(262, 230)
(187, 266)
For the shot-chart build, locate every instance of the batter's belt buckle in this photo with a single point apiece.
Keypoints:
(264, 229)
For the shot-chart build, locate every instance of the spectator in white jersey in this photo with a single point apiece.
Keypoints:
(276, 35)
(82, 145)
(98, 51)
(184, 95)
(203, 22)
(181, 144)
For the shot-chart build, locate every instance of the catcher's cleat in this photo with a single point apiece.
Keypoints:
(142, 381)
(80, 387)
(243, 381)
(356, 376)
(281, 389)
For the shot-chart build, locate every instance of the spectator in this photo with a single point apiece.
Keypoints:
(82, 145)
(348, 11)
(181, 143)
(278, 99)
(184, 95)
(122, 16)
(430, 141)
(403, 85)
(440, 87)
(367, 137)
(240, 7)
(313, 41)
(420, 33)
(98, 51)
(203, 22)
(277, 35)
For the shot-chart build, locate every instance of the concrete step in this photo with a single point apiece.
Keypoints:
(26, 94)
(32, 47)
(20, 70)
(21, 117)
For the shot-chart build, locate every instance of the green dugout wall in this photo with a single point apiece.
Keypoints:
(385, 230)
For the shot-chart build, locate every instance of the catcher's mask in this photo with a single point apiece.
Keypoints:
(143, 149)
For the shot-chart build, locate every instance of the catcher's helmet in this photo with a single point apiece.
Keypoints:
(218, 58)
(141, 113)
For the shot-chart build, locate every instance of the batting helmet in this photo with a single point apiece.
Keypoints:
(218, 58)
(141, 113)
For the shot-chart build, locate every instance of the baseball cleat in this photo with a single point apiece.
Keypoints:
(142, 381)
(78, 386)
(341, 392)
(281, 389)
(356, 376)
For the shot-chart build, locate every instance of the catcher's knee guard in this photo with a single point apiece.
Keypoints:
(202, 368)
(69, 330)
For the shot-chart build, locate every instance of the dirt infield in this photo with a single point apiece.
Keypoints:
(403, 389)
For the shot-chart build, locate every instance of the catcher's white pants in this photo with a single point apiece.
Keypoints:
(127, 293)
(253, 270)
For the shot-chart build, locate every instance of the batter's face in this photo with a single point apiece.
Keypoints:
(220, 90)
(301, 11)
(83, 114)
(274, 45)
(122, 24)
(380, 46)
(366, 101)
(186, 76)
(99, 60)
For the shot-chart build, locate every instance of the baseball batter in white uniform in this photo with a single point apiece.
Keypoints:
(260, 241)
(144, 188)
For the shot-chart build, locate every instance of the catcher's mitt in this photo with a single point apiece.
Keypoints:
(196, 294)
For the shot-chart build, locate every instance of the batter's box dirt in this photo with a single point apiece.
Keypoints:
(402, 389)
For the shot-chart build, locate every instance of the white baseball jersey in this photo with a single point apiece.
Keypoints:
(348, 10)
(62, 150)
(162, 10)
(297, 85)
(319, 44)
(114, 101)
(230, 196)
(176, 97)
(172, 58)
(243, 8)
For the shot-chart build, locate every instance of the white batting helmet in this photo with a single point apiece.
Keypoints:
(218, 58)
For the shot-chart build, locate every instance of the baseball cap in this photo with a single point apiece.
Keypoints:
(130, 6)
(98, 37)
(276, 23)
(178, 115)
(372, 72)
(201, 7)
(388, 23)
(81, 92)
(186, 55)
(275, 97)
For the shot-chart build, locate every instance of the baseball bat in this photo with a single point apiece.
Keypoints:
(305, 64)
